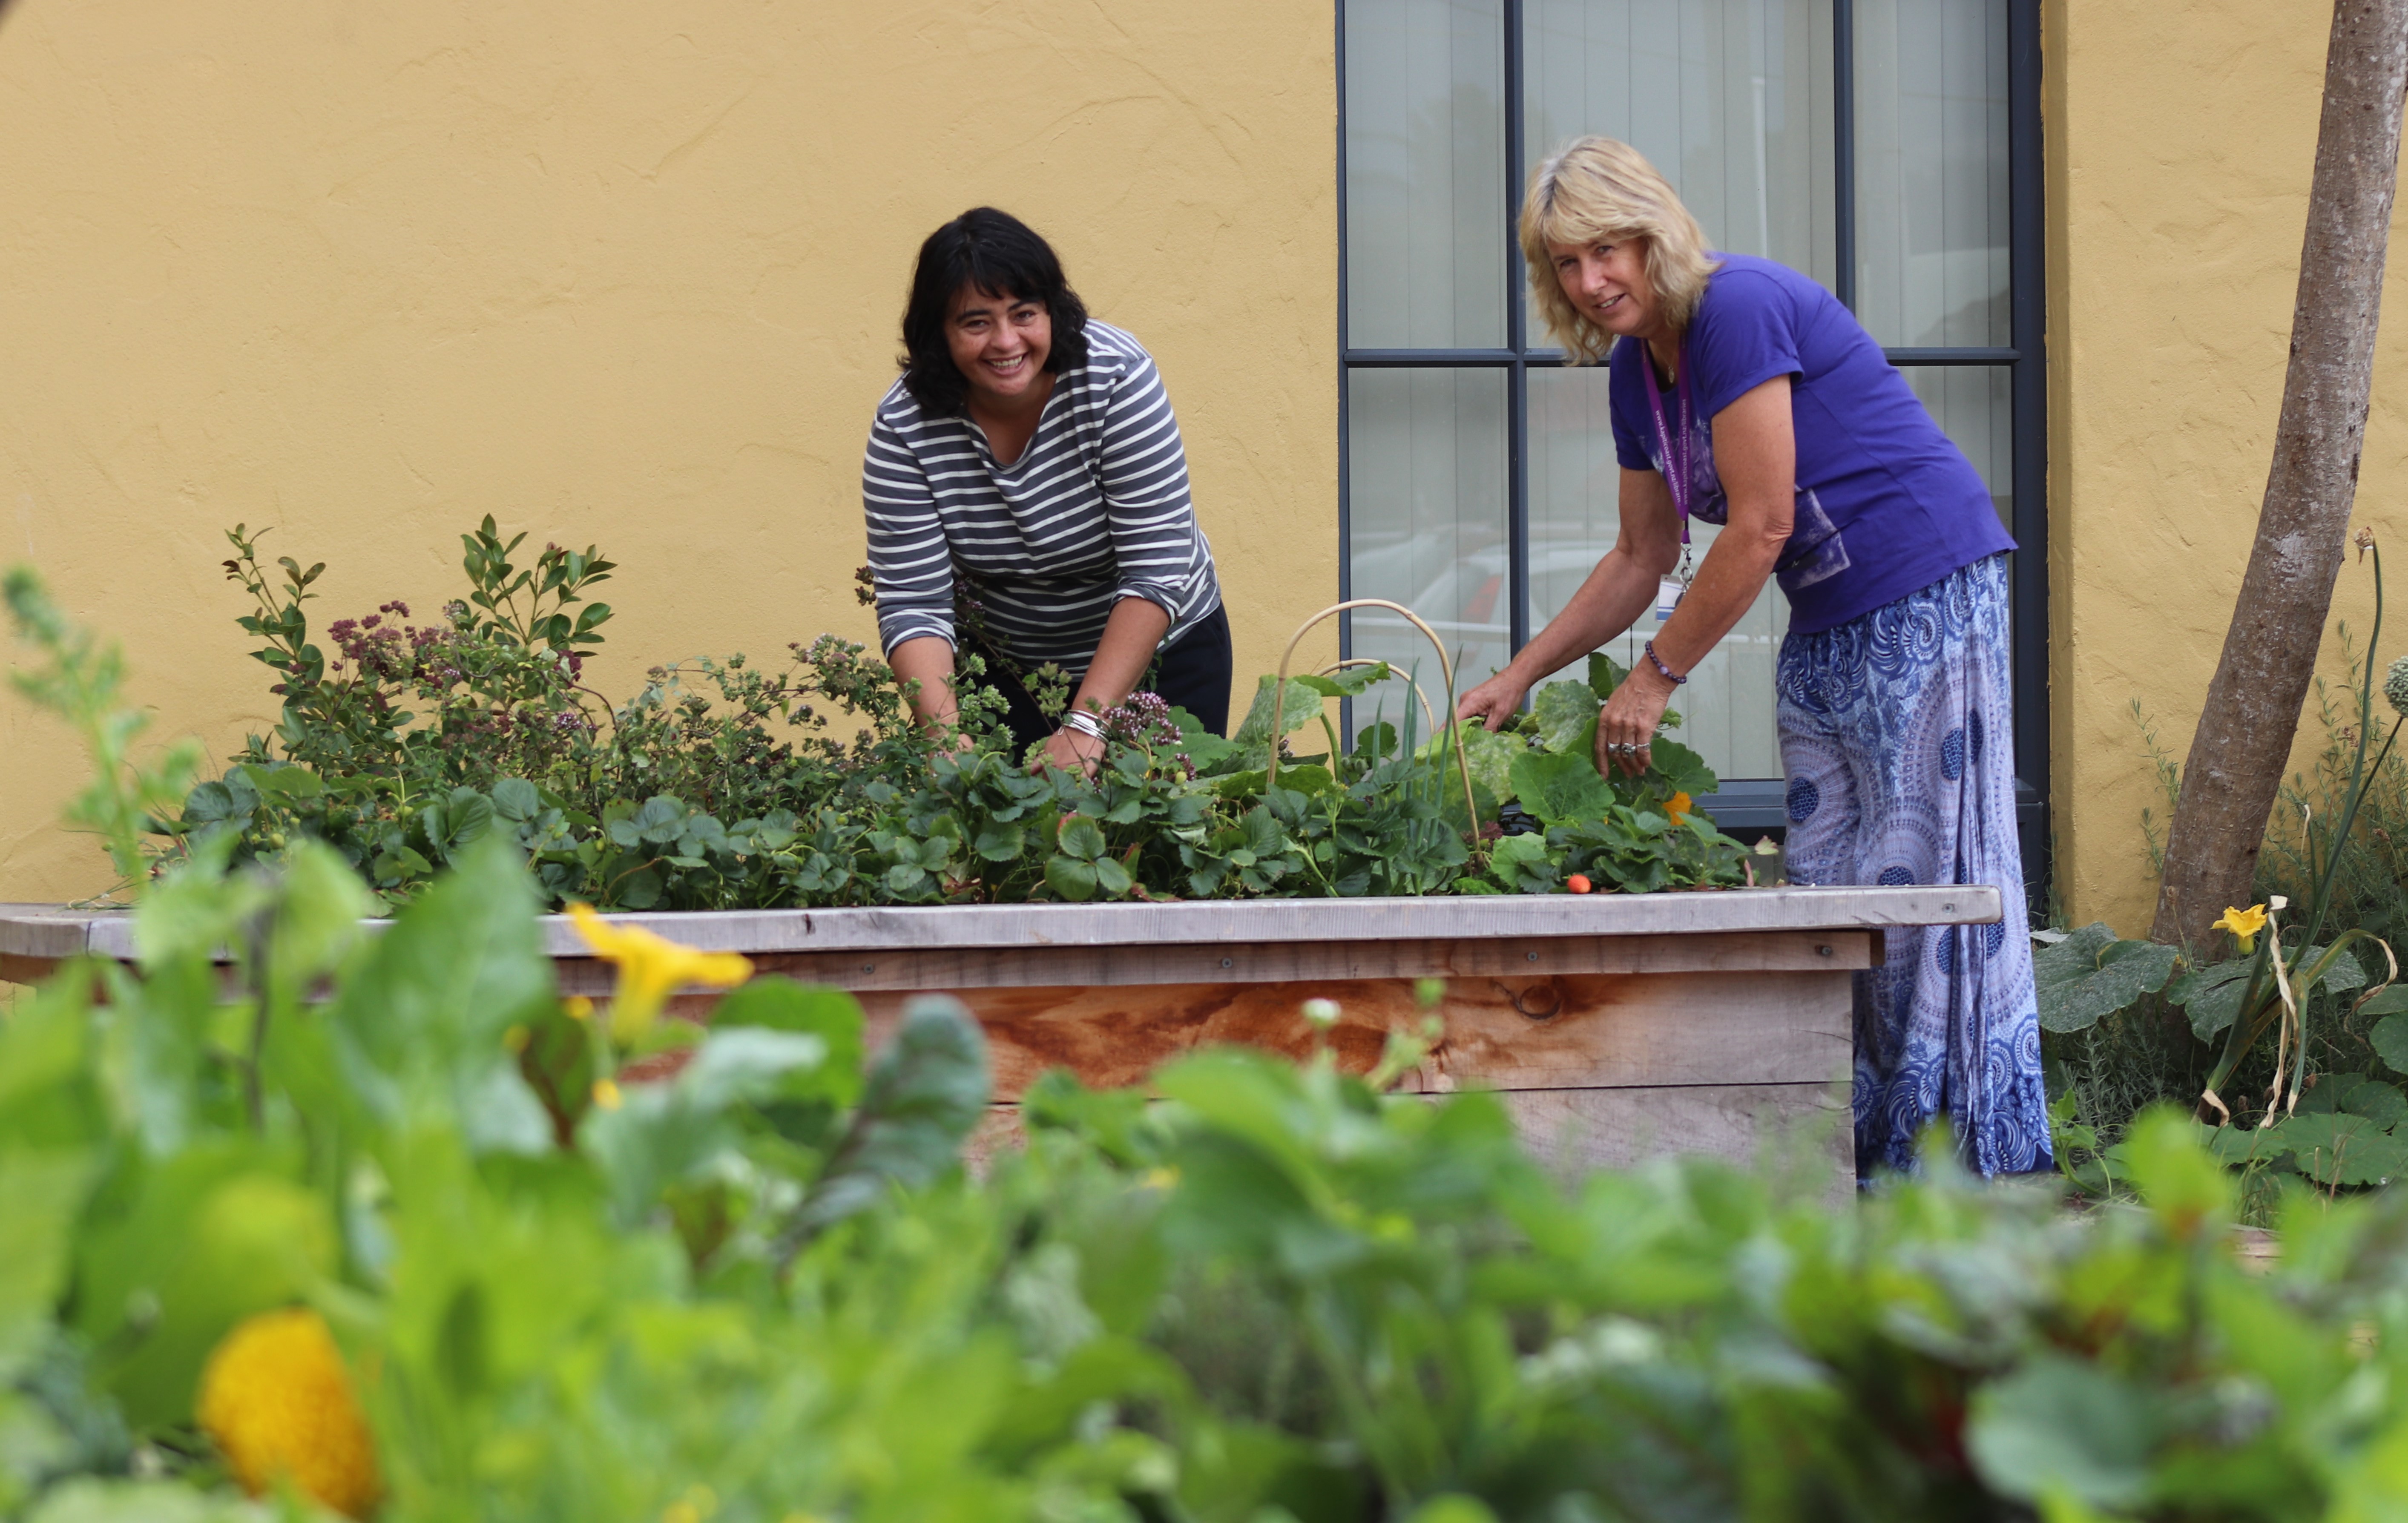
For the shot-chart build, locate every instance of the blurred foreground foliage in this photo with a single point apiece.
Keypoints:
(764, 1288)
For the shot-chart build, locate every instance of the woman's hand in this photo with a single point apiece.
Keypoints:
(1626, 726)
(1494, 702)
(1070, 750)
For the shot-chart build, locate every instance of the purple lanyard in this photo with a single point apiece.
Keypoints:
(1676, 468)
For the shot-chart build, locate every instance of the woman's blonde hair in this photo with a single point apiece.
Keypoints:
(1595, 190)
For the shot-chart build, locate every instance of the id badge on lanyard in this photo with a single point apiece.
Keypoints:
(1678, 466)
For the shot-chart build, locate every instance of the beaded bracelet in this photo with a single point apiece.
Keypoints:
(1662, 667)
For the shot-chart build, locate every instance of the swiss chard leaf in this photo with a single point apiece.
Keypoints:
(926, 1093)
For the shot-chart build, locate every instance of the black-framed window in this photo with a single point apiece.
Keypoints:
(1890, 149)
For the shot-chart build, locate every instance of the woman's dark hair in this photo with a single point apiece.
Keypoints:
(998, 254)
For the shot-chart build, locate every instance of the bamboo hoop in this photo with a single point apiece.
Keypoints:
(1445, 667)
(1336, 667)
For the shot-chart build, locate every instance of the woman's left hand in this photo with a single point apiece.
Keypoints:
(1073, 751)
(1626, 726)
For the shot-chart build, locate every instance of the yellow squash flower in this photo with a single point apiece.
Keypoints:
(651, 969)
(1677, 807)
(278, 1401)
(2244, 925)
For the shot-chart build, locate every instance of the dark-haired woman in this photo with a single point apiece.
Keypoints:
(1028, 458)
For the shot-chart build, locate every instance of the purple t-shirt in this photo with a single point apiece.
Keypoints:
(1887, 503)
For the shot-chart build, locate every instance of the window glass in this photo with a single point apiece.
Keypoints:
(1428, 516)
(1932, 172)
(1425, 173)
(1974, 405)
(1729, 99)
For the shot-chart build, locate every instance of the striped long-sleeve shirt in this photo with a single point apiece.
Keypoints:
(1095, 510)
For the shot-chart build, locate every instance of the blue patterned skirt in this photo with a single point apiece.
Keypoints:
(1896, 732)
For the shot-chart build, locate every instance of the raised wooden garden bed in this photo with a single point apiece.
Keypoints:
(1615, 1025)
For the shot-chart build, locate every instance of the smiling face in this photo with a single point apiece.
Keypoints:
(999, 344)
(1607, 283)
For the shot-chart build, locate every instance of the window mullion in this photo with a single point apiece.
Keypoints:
(1517, 390)
(1843, 151)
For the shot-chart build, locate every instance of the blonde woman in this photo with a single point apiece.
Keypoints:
(1743, 395)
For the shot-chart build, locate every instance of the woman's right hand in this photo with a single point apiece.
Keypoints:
(1493, 702)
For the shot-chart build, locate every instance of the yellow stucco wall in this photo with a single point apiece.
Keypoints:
(614, 272)
(2181, 143)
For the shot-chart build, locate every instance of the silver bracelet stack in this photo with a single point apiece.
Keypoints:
(1085, 723)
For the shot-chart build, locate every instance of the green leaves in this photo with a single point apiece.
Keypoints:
(1258, 1285)
(1566, 715)
(1559, 787)
(82, 679)
(1080, 871)
(418, 1030)
(926, 1093)
(182, 1249)
(1676, 769)
(1299, 705)
(2059, 1427)
(2090, 975)
(2211, 995)
(721, 784)
(2344, 1133)
(2389, 1035)
(665, 1133)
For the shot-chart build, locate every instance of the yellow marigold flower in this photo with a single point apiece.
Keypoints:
(651, 969)
(2244, 925)
(606, 1094)
(278, 1401)
(1677, 807)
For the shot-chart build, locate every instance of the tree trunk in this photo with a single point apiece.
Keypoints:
(2237, 758)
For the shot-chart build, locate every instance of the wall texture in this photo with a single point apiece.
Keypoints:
(2180, 144)
(615, 273)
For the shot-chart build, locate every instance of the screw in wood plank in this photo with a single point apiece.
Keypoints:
(1822, 952)
(1534, 956)
(1226, 962)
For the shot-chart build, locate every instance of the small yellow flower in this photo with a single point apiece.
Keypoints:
(278, 1401)
(577, 1007)
(606, 1094)
(1677, 807)
(651, 969)
(2244, 925)
(698, 1504)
